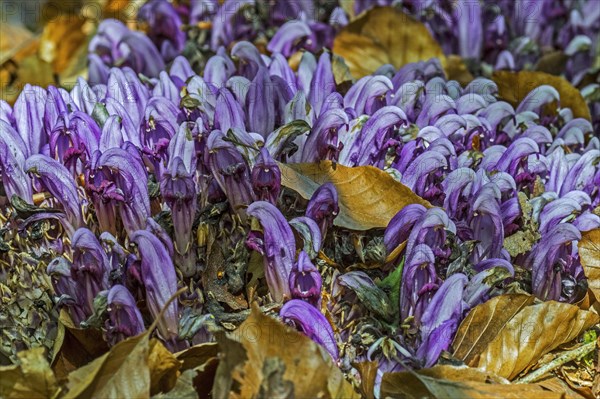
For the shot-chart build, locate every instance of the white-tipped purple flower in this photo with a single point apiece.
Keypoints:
(266, 177)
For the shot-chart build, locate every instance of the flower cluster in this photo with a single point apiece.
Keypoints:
(134, 167)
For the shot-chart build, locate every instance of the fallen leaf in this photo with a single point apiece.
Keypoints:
(164, 368)
(514, 86)
(555, 384)
(197, 355)
(31, 378)
(121, 373)
(61, 39)
(368, 374)
(449, 382)
(589, 254)
(75, 347)
(265, 351)
(183, 389)
(368, 196)
(457, 70)
(533, 332)
(381, 36)
(484, 323)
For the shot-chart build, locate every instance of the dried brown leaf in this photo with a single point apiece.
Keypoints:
(183, 389)
(121, 373)
(533, 332)
(75, 347)
(381, 36)
(197, 355)
(263, 352)
(484, 323)
(368, 196)
(589, 253)
(514, 86)
(31, 378)
(164, 368)
(449, 382)
(368, 374)
(61, 39)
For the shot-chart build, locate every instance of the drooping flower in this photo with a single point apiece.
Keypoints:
(305, 281)
(124, 317)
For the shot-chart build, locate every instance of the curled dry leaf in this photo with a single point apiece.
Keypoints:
(533, 332)
(263, 354)
(31, 378)
(484, 323)
(368, 374)
(381, 36)
(164, 368)
(368, 197)
(589, 253)
(121, 373)
(514, 86)
(183, 389)
(449, 382)
(61, 40)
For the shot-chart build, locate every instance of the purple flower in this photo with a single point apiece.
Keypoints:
(57, 179)
(59, 270)
(310, 233)
(90, 268)
(163, 27)
(550, 261)
(28, 113)
(305, 281)
(124, 318)
(160, 281)
(13, 153)
(323, 207)
(307, 319)
(266, 177)
(420, 282)
(278, 247)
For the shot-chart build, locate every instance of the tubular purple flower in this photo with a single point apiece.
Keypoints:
(305, 281)
(279, 248)
(12, 163)
(57, 179)
(160, 281)
(431, 230)
(323, 207)
(280, 67)
(556, 211)
(249, 58)
(478, 288)
(178, 187)
(228, 23)
(158, 127)
(548, 260)
(228, 112)
(266, 177)
(468, 17)
(420, 282)
(59, 270)
(124, 317)
(418, 174)
(260, 104)
(487, 226)
(537, 98)
(180, 71)
(514, 155)
(28, 113)
(129, 176)
(322, 143)
(310, 233)
(399, 228)
(322, 83)
(311, 323)
(163, 27)
(434, 107)
(441, 318)
(581, 174)
(90, 268)
(230, 170)
(218, 70)
(374, 134)
(125, 88)
(289, 37)
(368, 94)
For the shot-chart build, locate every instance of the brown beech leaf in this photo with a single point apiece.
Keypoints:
(449, 382)
(381, 36)
(368, 197)
(75, 347)
(164, 368)
(31, 378)
(61, 39)
(265, 358)
(533, 332)
(121, 373)
(484, 323)
(368, 374)
(514, 86)
(589, 253)
(197, 355)
(183, 389)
